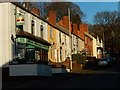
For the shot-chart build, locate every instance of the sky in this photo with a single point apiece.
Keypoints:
(91, 8)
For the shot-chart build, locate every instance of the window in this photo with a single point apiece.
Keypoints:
(74, 50)
(73, 40)
(20, 27)
(86, 51)
(60, 36)
(61, 53)
(65, 40)
(55, 53)
(65, 53)
(32, 27)
(85, 40)
(30, 54)
(21, 54)
(77, 41)
(51, 51)
(50, 32)
(41, 29)
(21, 51)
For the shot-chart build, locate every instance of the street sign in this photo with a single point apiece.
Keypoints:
(20, 19)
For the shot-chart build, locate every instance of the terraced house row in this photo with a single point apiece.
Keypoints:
(33, 46)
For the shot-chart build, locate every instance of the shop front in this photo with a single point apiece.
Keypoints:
(32, 52)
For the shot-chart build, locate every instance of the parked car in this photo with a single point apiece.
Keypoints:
(104, 61)
(113, 60)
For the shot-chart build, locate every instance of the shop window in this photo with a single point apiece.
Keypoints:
(21, 51)
(37, 55)
(21, 54)
(41, 29)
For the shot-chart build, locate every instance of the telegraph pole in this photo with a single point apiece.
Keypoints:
(70, 38)
(103, 44)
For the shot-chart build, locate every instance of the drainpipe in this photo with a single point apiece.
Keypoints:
(15, 33)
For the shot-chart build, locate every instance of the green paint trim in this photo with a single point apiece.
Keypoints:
(30, 46)
(33, 43)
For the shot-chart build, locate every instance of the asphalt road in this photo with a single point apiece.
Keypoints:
(106, 77)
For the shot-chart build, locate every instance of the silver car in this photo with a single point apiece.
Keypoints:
(104, 61)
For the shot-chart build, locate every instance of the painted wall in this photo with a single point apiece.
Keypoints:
(53, 43)
(8, 29)
(94, 47)
(74, 44)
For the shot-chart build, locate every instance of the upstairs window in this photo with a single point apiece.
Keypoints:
(41, 29)
(77, 41)
(60, 36)
(73, 40)
(32, 27)
(51, 51)
(85, 40)
(50, 32)
(65, 41)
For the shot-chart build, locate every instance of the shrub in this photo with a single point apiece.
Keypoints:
(79, 58)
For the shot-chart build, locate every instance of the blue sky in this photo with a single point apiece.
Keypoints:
(91, 8)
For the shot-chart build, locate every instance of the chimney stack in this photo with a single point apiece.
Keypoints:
(75, 29)
(52, 17)
(83, 27)
(66, 22)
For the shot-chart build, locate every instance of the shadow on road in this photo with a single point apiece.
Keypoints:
(105, 77)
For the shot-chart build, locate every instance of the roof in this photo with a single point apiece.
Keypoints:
(32, 37)
(20, 6)
(77, 36)
(57, 26)
(63, 29)
(89, 35)
(95, 36)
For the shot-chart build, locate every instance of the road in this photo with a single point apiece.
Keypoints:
(107, 77)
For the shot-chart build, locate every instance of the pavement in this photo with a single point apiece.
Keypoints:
(106, 77)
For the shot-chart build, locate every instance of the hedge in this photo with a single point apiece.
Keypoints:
(79, 58)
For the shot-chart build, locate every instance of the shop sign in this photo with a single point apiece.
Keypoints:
(20, 19)
(36, 44)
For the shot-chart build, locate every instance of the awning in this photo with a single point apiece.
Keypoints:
(32, 44)
(30, 47)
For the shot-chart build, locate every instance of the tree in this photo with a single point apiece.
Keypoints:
(60, 8)
(107, 22)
